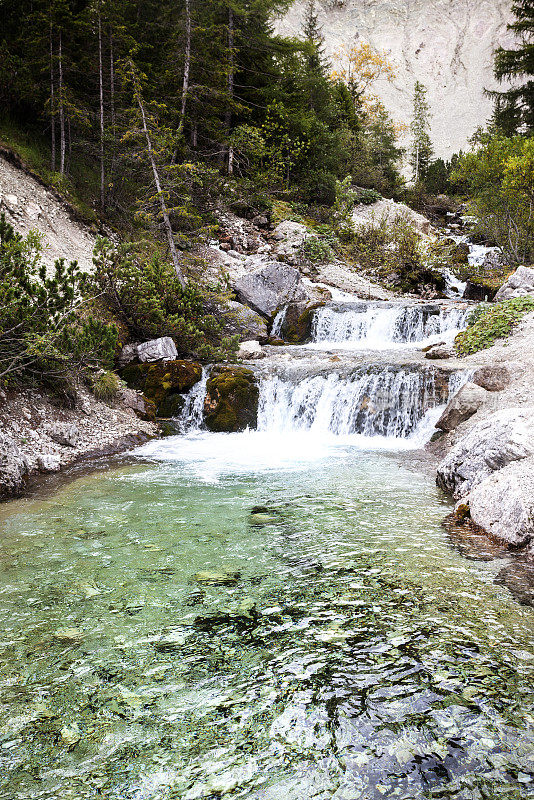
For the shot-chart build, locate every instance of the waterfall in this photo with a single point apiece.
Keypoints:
(372, 402)
(377, 327)
(191, 416)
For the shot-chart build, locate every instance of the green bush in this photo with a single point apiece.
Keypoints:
(145, 295)
(366, 197)
(490, 322)
(106, 385)
(46, 332)
(316, 250)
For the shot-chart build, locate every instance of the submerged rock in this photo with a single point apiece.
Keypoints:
(231, 402)
(224, 577)
(68, 635)
(463, 405)
(518, 577)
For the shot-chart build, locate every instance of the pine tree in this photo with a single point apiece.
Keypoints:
(514, 111)
(421, 150)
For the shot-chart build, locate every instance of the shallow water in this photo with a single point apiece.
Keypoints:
(376, 662)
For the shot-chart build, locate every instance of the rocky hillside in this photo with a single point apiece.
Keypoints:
(446, 44)
(29, 205)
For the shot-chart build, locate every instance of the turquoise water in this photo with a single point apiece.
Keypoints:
(339, 648)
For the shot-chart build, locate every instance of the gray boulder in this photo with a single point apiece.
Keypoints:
(242, 321)
(64, 433)
(13, 466)
(503, 503)
(517, 285)
(390, 212)
(491, 445)
(492, 378)
(271, 286)
(250, 350)
(461, 406)
(162, 349)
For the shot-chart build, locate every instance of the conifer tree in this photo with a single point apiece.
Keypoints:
(514, 110)
(421, 149)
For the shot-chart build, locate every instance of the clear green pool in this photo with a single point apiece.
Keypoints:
(357, 654)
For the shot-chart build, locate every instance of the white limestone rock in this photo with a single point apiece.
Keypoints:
(162, 349)
(519, 284)
(503, 503)
(502, 438)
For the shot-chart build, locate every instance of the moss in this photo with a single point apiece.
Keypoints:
(171, 406)
(491, 322)
(297, 325)
(158, 381)
(134, 375)
(231, 400)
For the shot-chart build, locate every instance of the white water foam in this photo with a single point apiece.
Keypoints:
(384, 327)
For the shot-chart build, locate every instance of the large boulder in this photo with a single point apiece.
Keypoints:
(242, 321)
(491, 445)
(390, 212)
(270, 287)
(14, 466)
(289, 237)
(461, 406)
(231, 402)
(517, 285)
(503, 503)
(136, 401)
(162, 349)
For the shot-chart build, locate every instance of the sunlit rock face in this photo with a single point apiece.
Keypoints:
(446, 44)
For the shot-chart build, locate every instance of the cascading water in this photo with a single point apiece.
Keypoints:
(378, 327)
(394, 403)
(371, 402)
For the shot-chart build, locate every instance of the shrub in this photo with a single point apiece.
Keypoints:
(146, 296)
(106, 385)
(366, 197)
(490, 322)
(46, 332)
(316, 250)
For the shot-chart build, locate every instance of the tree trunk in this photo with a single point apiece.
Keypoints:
(187, 64)
(52, 102)
(112, 101)
(101, 89)
(157, 181)
(61, 110)
(231, 68)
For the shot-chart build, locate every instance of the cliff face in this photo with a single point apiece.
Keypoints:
(446, 44)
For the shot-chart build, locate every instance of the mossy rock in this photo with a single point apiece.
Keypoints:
(298, 322)
(134, 375)
(231, 400)
(171, 406)
(158, 381)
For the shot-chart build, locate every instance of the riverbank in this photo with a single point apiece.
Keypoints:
(40, 435)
